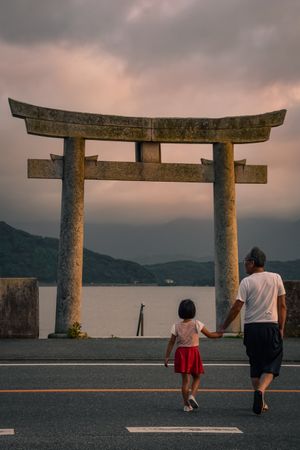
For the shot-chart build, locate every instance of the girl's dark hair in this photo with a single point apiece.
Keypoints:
(187, 309)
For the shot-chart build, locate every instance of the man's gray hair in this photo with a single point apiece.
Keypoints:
(258, 256)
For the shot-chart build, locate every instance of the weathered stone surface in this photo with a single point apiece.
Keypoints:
(70, 254)
(250, 174)
(93, 132)
(270, 119)
(59, 123)
(172, 172)
(25, 110)
(19, 308)
(225, 229)
(45, 168)
(292, 328)
(131, 171)
(197, 135)
(148, 152)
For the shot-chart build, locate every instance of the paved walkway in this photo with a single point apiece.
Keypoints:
(58, 394)
(131, 349)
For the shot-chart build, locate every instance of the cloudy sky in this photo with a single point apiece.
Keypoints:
(185, 58)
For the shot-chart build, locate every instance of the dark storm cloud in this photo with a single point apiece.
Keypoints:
(253, 40)
(38, 21)
(149, 58)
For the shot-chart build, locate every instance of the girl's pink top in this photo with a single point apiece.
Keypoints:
(187, 333)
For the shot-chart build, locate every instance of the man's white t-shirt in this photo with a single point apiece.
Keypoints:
(259, 292)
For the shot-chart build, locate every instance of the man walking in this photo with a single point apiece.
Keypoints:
(264, 297)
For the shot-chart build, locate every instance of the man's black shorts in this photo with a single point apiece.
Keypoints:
(264, 348)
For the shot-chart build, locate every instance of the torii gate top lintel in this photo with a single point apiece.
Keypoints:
(61, 124)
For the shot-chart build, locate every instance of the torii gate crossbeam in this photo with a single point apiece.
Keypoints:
(148, 133)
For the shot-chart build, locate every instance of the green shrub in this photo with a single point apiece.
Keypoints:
(74, 332)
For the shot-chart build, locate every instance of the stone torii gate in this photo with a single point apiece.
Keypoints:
(148, 134)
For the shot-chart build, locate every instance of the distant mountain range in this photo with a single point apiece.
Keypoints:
(191, 273)
(25, 255)
(182, 239)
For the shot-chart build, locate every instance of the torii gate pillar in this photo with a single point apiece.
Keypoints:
(70, 253)
(225, 230)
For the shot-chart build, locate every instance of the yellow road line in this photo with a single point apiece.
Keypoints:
(128, 390)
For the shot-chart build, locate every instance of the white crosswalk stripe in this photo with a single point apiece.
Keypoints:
(6, 431)
(184, 430)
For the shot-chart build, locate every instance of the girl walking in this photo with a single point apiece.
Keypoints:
(187, 357)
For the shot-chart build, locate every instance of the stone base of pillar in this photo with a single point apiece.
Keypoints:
(58, 336)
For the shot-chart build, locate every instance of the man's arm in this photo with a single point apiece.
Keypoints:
(282, 310)
(234, 311)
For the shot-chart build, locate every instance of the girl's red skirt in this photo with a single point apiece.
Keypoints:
(188, 360)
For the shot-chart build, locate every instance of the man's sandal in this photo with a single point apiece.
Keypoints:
(258, 402)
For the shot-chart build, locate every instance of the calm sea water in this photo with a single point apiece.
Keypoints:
(113, 311)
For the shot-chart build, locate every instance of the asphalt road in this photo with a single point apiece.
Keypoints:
(81, 406)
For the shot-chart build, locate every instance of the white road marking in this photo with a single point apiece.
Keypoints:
(184, 430)
(109, 364)
(6, 431)
(130, 364)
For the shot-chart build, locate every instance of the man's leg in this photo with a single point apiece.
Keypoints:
(260, 385)
(255, 383)
(265, 381)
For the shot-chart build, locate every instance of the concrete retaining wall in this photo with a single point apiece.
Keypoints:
(19, 308)
(292, 328)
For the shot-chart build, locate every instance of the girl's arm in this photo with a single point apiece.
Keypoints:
(169, 349)
(211, 334)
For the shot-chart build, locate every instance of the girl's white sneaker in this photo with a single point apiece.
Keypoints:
(187, 408)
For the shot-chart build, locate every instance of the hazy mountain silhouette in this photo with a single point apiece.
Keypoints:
(25, 255)
(184, 239)
(188, 239)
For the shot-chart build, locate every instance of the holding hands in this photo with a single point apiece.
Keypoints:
(212, 334)
(219, 334)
